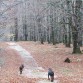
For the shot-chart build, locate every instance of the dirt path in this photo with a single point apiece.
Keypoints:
(31, 69)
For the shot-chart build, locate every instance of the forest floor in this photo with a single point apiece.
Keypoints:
(46, 56)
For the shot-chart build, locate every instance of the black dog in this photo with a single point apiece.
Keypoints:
(51, 74)
(21, 68)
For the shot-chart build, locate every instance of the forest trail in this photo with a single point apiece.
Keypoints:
(31, 69)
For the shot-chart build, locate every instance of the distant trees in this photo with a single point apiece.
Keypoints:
(52, 21)
(74, 23)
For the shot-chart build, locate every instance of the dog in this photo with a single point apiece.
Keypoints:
(21, 68)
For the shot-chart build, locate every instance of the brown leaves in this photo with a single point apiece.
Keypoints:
(46, 56)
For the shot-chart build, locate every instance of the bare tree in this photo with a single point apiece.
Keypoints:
(76, 25)
(16, 29)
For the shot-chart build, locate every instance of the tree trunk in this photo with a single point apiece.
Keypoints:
(42, 39)
(75, 26)
(76, 47)
(16, 29)
(69, 39)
